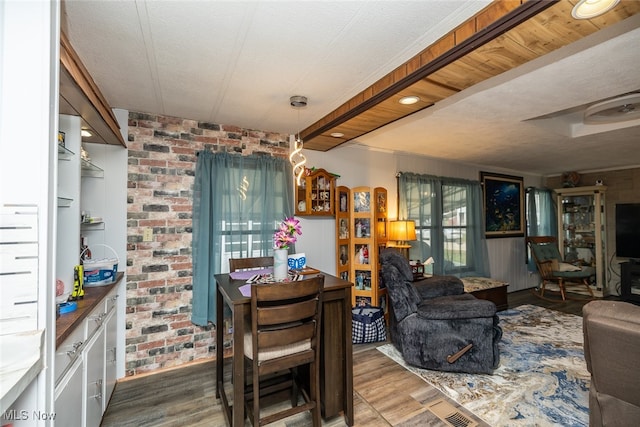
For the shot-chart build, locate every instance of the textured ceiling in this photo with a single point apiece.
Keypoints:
(237, 63)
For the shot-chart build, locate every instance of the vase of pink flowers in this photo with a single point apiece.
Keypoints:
(286, 235)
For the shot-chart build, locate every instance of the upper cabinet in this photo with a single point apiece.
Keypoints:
(80, 96)
(315, 194)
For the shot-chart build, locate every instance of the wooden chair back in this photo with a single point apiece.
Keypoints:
(541, 239)
(285, 331)
(236, 264)
(546, 254)
(544, 263)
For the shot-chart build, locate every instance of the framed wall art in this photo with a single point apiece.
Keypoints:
(503, 205)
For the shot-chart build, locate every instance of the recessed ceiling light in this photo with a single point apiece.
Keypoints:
(587, 9)
(408, 100)
(337, 134)
(85, 133)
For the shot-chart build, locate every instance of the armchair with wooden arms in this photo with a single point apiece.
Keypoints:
(553, 270)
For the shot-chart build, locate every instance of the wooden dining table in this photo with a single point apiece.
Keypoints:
(336, 360)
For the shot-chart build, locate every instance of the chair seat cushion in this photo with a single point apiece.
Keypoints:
(580, 274)
(564, 266)
(274, 352)
(464, 306)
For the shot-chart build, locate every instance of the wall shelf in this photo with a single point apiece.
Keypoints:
(91, 170)
(64, 153)
(64, 202)
(89, 226)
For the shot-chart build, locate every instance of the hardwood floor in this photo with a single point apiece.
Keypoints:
(385, 394)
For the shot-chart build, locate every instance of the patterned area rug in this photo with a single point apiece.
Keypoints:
(542, 379)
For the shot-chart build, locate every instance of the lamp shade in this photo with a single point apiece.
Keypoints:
(402, 231)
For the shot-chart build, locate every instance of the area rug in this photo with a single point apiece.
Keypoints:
(542, 379)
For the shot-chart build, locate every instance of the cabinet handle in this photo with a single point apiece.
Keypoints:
(99, 318)
(75, 346)
(98, 394)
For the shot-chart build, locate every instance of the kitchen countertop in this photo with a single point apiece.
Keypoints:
(67, 323)
(21, 362)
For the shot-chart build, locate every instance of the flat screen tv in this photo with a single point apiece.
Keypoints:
(628, 230)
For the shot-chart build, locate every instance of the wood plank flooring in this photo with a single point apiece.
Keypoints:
(385, 394)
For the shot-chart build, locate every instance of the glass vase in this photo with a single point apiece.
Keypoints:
(280, 264)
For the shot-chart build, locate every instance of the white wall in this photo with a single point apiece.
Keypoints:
(359, 166)
(28, 122)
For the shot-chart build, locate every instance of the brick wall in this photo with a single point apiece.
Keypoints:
(162, 156)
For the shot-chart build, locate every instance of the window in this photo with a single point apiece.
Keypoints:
(541, 212)
(540, 216)
(448, 217)
(238, 202)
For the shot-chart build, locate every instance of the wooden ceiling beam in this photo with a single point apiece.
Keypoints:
(495, 19)
(505, 35)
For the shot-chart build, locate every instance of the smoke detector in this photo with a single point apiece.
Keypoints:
(614, 110)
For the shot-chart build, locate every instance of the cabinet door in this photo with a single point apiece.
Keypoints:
(110, 374)
(94, 379)
(68, 352)
(68, 400)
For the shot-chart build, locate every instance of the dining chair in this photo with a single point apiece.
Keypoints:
(284, 335)
(236, 264)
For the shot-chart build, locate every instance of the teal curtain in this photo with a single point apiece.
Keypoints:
(449, 225)
(238, 203)
(541, 216)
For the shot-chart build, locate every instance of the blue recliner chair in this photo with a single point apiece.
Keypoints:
(435, 324)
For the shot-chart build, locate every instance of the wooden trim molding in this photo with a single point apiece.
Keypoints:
(79, 95)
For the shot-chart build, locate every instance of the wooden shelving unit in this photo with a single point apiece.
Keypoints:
(361, 232)
(343, 233)
(315, 194)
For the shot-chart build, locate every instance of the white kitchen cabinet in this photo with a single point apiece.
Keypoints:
(68, 396)
(94, 359)
(111, 356)
(85, 363)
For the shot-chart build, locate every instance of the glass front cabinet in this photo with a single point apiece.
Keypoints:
(581, 231)
(315, 194)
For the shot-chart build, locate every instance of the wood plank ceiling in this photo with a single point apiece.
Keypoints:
(503, 36)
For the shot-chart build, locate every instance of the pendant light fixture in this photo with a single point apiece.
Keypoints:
(296, 158)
